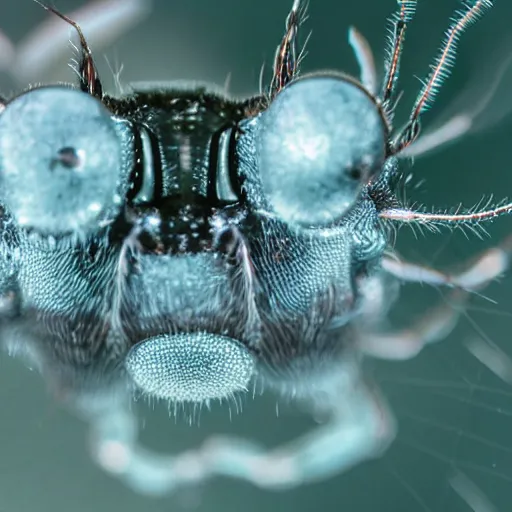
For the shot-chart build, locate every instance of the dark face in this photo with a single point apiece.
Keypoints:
(181, 219)
(184, 243)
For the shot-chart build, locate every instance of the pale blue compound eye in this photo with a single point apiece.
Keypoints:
(60, 161)
(320, 142)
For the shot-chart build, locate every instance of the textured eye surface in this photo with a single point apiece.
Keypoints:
(321, 140)
(190, 367)
(60, 160)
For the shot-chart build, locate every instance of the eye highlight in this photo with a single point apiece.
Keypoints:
(321, 140)
(60, 161)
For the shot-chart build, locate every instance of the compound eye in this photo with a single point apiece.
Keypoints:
(60, 161)
(321, 140)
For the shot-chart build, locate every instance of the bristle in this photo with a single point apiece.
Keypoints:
(407, 10)
(89, 79)
(399, 22)
(473, 216)
(285, 62)
(442, 67)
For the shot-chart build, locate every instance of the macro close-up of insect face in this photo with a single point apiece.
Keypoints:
(172, 243)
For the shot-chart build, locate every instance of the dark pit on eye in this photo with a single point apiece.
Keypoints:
(66, 157)
(355, 174)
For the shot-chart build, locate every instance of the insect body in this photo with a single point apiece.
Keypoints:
(182, 245)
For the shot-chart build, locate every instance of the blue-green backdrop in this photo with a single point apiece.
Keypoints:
(454, 415)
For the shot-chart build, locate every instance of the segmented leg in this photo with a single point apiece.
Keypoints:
(102, 21)
(360, 428)
(437, 323)
(488, 266)
(430, 328)
(490, 355)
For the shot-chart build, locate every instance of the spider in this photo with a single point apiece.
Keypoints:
(181, 245)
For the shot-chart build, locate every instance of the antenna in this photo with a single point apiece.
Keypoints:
(471, 11)
(89, 79)
(285, 61)
(399, 22)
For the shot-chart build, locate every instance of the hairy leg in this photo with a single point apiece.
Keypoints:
(486, 267)
(359, 427)
(436, 323)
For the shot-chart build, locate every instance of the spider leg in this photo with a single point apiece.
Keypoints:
(438, 322)
(360, 427)
(103, 21)
(431, 327)
(488, 266)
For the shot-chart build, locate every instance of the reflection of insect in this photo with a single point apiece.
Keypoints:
(183, 245)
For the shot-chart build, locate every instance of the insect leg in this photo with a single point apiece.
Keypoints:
(89, 79)
(436, 324)
(286, 63)
(490, 355)
(440, 70)
(399, 22)
(360, 427)
(431, 327)
(103, 21)
(488, 266)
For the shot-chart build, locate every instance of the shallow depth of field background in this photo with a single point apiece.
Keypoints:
(454, 415)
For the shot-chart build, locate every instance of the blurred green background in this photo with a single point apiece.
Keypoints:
(454, 415)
